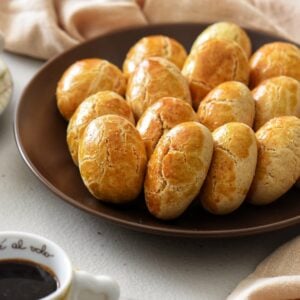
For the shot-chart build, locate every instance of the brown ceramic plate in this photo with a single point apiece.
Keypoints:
(41, 137)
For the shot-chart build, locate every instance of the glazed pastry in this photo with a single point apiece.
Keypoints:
(227, 31)
(275, 97)
(84, 78)
(99, 104)
(153, 79)
(232, 168)
(273, 60)
(177, 169)
(155, 45)
(278, 161)
(213, 62)
(230, 101)
(160, 117)
(112, 159)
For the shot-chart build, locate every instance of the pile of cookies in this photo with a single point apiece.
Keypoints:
(217, 125)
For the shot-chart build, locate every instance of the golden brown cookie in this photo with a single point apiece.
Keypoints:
(273, 60)
(112, 159)
(275, 97)
(230, 101)
(84, 78)
(153, 79)
(232, 168)
(278, 161)
(177, 169)
(160, 117)
(154, 45)
(227, 31)
(99, 104)
(214, 62)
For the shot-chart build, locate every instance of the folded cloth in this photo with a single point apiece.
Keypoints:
(44, 28)
(276, 278)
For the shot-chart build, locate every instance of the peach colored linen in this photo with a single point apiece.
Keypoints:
(43, 28)
(276, 278)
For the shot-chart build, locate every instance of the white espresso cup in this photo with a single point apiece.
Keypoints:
(72, 284)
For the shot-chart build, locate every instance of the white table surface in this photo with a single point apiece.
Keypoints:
(146, 266)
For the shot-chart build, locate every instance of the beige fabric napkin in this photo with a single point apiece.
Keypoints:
(43, 28)
(276, 278)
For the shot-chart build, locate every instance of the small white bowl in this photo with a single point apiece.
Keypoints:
(1, 42)
(6, 83)
(6, 86)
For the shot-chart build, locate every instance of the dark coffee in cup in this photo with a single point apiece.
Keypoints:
(33, 267)
(25, 280)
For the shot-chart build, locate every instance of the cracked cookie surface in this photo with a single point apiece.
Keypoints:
(275, 97)
(84, 78)
(213, 62)
(177, 169)
(99, 104)
(162, 116)
(112, 159)
(278, 161)
(274, 59)
(225, 30)
(155, 45)
(230, 101)
(232, 168)
(153, 79)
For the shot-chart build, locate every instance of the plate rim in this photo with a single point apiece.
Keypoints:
(189, 233)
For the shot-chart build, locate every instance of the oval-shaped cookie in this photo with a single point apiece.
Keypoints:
(154, 45)
(274, 59)
(153, 79)
(99, 104)
(227, 31)
(160, 117)
(84, 78)
(230, 101)
(275, 97)
(232, 168)
(213, 62)
(112, 159)
(278, 161)
(177, 169)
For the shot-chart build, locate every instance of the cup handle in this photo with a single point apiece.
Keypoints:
(87, 286)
